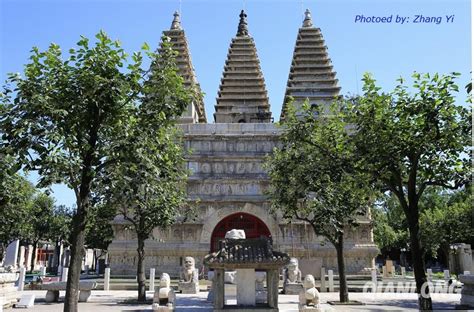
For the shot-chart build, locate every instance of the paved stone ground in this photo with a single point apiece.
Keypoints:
(105, 301)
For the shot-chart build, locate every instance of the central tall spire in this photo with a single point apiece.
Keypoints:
(242, 95)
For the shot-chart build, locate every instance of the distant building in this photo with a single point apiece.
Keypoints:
(226, 163)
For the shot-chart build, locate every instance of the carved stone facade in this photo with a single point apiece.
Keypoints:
(228, 180)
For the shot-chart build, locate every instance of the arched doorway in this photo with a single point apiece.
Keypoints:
(253, 227)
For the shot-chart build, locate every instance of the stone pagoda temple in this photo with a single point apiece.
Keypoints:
(227, 179)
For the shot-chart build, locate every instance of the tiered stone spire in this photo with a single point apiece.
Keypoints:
(311, 74)
(195, 112)
(242, 95)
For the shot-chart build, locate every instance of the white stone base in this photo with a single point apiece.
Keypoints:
(157, 308)
(305, 308)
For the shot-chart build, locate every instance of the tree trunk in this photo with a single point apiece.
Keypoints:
(57, 256)
(94, 259)
(3, 247)
(424, 299)
(33, 256)
(141, 278)
(341, 267)
(77, 254)
(79, 220)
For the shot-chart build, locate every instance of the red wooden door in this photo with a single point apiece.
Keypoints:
(253, 227)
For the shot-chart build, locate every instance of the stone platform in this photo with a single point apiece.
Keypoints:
(111, 301)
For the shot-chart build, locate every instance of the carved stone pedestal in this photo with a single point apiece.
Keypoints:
(306, 308)
(188, 287)
(157, 308)
(293, 289)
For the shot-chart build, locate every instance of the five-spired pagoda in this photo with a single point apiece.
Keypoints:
(227, 177)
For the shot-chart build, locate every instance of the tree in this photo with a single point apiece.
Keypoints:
(313, 177)
(390, 229)
(448, 223)
(148, 183)
(63, 119)
(39, 222)
(60, 230)
(16, 195)
(150, 195)
(409, 142)
(99, 229)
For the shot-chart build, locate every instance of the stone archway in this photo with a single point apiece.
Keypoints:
(252, 225)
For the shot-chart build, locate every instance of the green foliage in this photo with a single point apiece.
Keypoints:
(64, 114)
(313, 175)
(99, 228)
(447, 222)
(389, 225)
(148, 187)
(147, 181)
(71, 119)
(410, 141)
(61, 222)
(40, 218)
(446, 218)
(16, 199)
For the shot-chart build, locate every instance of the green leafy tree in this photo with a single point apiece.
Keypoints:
(99, 229)
(390, 229)
(446, 217)
(60, 230)
(314, 178)
(39, 222)
(63, 118)
(148, 183)
(448, 222)
(410, 141)
(16, 197)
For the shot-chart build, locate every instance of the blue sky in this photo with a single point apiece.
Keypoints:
(387, 50)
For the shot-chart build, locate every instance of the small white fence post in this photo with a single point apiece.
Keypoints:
(323, 279)
(64, 275)
(374, 280)
(331, 280)
(21, 279)
(152, 279)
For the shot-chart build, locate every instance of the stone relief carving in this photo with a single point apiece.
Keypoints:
(190, 234)
(222, 188)
(232, 146)
(218, 167)
(364, 235)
